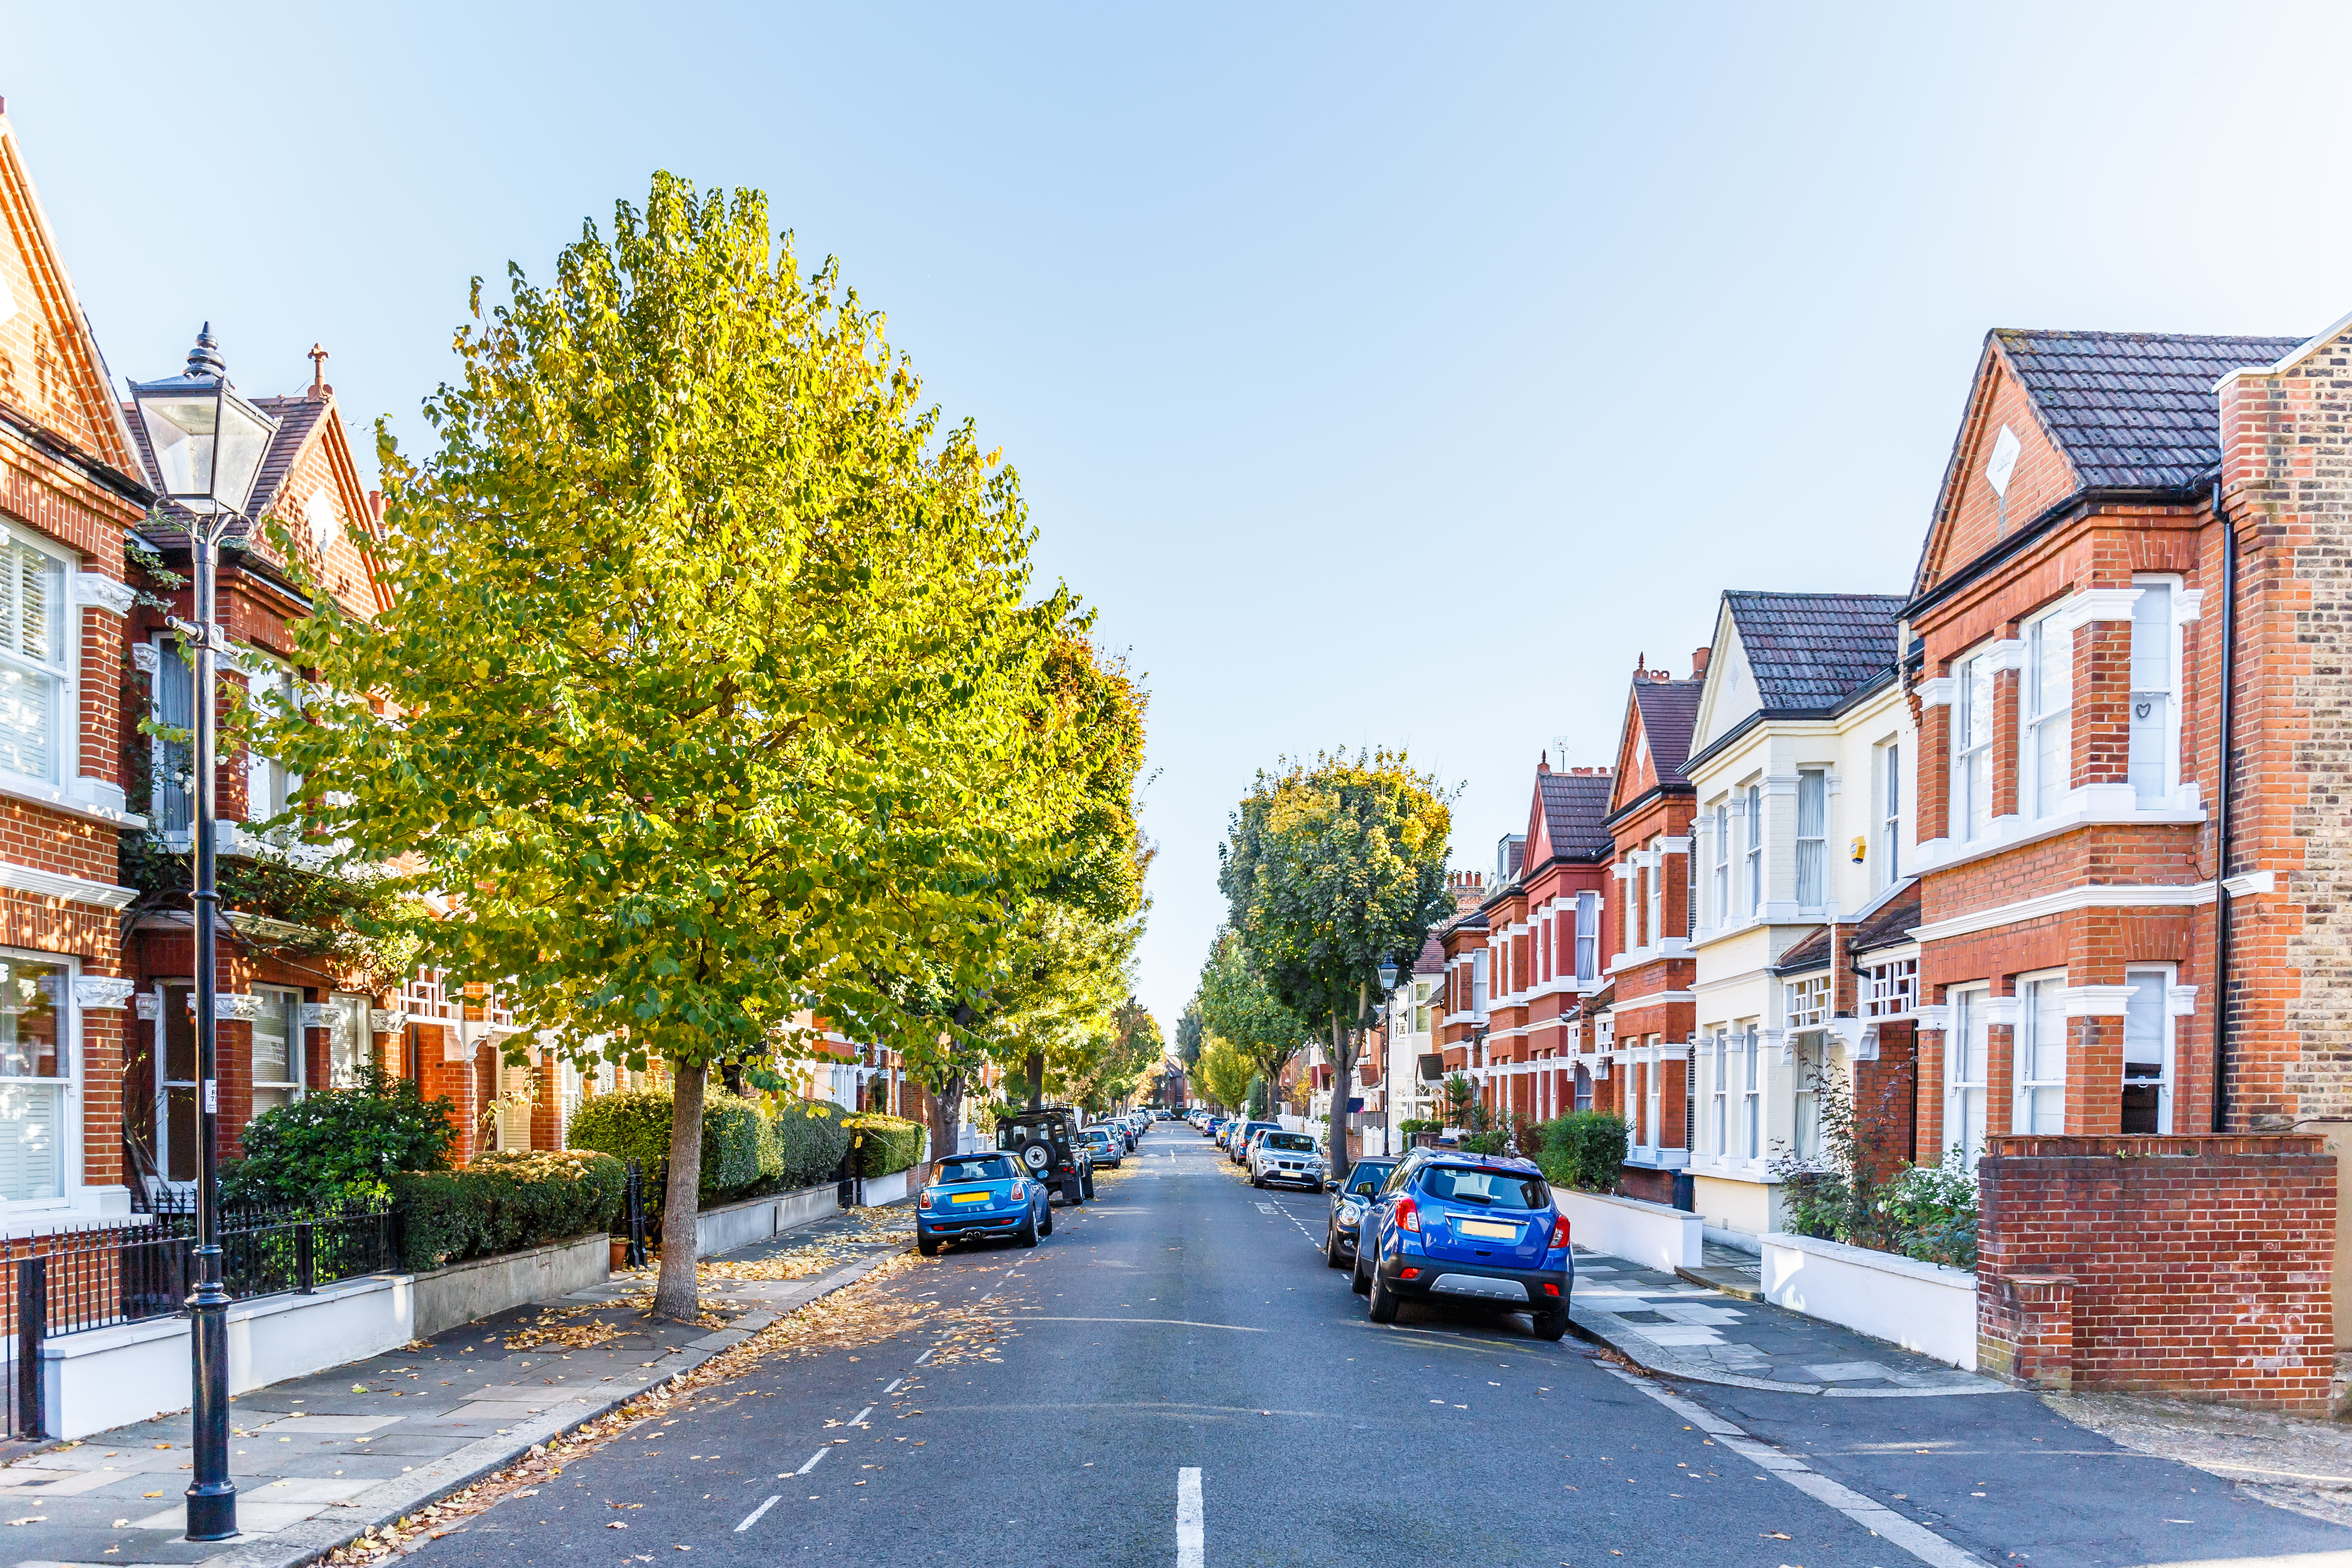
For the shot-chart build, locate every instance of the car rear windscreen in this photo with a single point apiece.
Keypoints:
(1498, 1189)
(1290, 1142)
(989, 1170)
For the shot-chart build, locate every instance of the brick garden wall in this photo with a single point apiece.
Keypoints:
(2178, 1265)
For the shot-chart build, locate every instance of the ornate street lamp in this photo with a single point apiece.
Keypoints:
(208, 444)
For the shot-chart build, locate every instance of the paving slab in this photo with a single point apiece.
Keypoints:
(1680, 1325)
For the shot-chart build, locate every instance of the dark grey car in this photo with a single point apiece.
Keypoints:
(1348, 1201)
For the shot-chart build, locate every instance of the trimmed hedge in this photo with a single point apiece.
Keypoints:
(745, 1151)
(886, 1144)
(812, 1136)
(1584, 1150)
(502, 1203)
(334, 1143)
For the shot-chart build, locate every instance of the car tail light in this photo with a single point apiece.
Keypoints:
(1408, 1273)
(1550, 1288)
(1408, 1216)
(924, 1202)
(1018, 1192)
(1559, 1234)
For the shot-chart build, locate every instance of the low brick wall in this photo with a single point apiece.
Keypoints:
(2197, 1266)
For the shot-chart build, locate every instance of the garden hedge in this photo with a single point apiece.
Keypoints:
(1583, 1151)
(886, 1144)
(503, 1202)
(740, 1152)
(813, 1135)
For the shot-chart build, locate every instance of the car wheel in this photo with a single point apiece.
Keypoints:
(1045, 1219)
(1331, 1258)
(1258, 1182)
(927, 1247)
(1028, 1235)
(1089, 1184)
(1551, 1325)
(1356, 1281)
(1071, 1192)
(1383, 1305)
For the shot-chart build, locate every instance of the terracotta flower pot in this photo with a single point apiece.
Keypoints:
(620, 1253)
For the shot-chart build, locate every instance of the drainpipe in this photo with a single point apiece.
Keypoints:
(2228, 777)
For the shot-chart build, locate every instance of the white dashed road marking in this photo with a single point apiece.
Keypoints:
(811, 1465)
(753, 1518)
(1188, 1519)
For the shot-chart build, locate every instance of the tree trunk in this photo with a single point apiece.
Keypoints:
(1343, 1065)
(1037, 1064)
(950, 1101)
(675, 1295)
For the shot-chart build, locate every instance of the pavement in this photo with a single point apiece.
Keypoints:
(320, 1459)
(1175, 1375)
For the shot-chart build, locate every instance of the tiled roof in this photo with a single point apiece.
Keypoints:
(1669, 714)
(1893, 922)
(1433, 958)
(297, 418)
(2133, 410)
(1810, 651)
(1811, 952)
(1468, 920)
(1576, 814)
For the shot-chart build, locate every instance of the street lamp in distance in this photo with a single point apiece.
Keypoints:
(208, 444)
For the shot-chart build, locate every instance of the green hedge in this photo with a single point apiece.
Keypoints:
(812, 1136)
(340, 1142)
(502, 1203)
(886, 1144)
(745, 1151)
(1584, 1150)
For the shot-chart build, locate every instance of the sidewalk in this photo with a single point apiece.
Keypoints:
(1674, 1325)
(320, 1459)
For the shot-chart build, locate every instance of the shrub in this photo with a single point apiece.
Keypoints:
(1482, 1143)
(1931, 1212)
(634, 1124)
(334, 1143)
(1584, 1150)
(810, 1138)
(886, 1144)
(502, 1203)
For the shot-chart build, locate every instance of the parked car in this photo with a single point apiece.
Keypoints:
(1046, 1141)
(1237, 1145)
(1104, 1144)
(976, 1196)
(1292, 1158)
(1349, 1198)
(1478, 1230)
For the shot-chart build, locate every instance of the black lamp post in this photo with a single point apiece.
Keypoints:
(208, 444)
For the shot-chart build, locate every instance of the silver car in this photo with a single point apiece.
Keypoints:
(1293, 1158)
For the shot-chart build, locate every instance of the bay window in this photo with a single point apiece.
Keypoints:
(1812, 839)
(34, 670)
(35, 1063)
(348, 1040)
(2148, 1059)
(1654, 901)
(1751, 1097)
(2047, 712)
(1722, 1087)
(2041, 1055)
(1968, 1045)
(270, 788)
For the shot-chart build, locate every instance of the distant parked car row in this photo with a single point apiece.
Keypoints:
(1272, 1156)
(1007, 1193)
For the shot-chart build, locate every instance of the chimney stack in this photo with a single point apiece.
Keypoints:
(1698, 661)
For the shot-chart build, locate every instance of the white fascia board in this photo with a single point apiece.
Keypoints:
(2067, 901)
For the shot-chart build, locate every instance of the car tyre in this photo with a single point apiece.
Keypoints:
(1045, 1219)
(1071, 1193)
(1089, 1184)
(1331, 1258)
(1258, 1182)
(927, 1247)
(1383, 1305)
(1028, 1235)
(1551, 1325)
(1356, 1281)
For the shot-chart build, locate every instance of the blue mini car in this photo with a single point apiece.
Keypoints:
(1479, 1229)
(980, 1194)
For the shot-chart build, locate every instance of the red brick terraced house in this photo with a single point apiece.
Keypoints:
(2123, 651)
(1461, 1023)
(1544, 928)
(1647, 931)
(67, 504)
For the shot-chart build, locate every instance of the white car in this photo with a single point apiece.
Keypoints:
(1291, 1157)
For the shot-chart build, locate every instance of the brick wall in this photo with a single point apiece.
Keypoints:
(2190, 1265)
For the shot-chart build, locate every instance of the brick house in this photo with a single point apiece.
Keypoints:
(2116, 644)
(1461, 1024)
(67, 504)
(1646, 928)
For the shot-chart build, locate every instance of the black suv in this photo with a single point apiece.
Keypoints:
(1348, 1201)
(1047, 1140)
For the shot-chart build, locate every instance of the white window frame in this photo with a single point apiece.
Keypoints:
(2169, 767)
(2161, 976)
(163, 767)
(1653, 896)
(1653, 1101)
(1751, 1097)
(1967, 1049)
(271, 787)
(2039, 1104)
(356, 1010)
(66, 1086)
(290, 999)
(1722, 911)
(1972, 798)
(1815, 845)
(1479, 969)
(1754, 867)
(1588, 937)
(57, 670)
(1720, 1098)
(2041, 728)
(1886, 769)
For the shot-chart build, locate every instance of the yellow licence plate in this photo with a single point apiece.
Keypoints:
(1487, 1227)
(971, 1197)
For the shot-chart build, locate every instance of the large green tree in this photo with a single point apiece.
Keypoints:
(710, 689)
(1329, 869)
(1237, 1007)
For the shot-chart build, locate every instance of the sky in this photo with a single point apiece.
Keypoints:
(1382, 375)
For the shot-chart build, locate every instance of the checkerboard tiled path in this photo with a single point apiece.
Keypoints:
(1671, 1324)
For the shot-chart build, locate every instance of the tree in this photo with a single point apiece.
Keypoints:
(709, 690)
(1223, 1076)
(1327, 870)
(1236, 1006)
(1190, 1031)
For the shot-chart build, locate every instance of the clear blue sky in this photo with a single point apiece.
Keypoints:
(1383, 375)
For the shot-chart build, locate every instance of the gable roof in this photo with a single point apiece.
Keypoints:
(1809, 652)
(2133, 410)
(1575, 808)
(1669, 709)
(298, 418)
(1892, 924)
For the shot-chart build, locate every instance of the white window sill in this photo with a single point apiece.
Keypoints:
(2093, 805)
(1658, 1159)
(92, 800)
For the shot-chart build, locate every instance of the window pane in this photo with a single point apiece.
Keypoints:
(1813, 809)
(273, 1035)
(30, 1167)
(28, 1019)
(2144, 1023)
(2151, 701)
(27, 722)
(174, 707)
(347, 1040)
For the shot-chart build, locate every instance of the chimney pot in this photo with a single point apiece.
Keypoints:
(1698, 661)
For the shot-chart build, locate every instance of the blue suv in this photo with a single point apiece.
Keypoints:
(1474, 1228)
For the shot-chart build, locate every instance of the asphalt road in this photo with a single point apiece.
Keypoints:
(1174, 1377)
